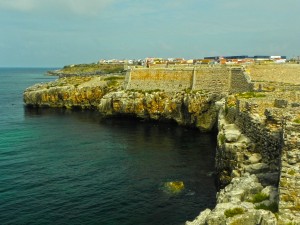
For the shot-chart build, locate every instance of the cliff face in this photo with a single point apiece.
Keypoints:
(195, 109)
(70, 93)
(258, 135)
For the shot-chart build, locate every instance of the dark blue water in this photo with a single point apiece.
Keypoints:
(64, 167)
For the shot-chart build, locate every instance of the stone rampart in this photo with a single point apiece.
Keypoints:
(271, 123)
(289, 185)
(283, 73)
(267, 142)
(162, 79)
(240, 81)
(211, 79)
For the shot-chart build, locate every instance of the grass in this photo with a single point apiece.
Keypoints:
(151, 91)
(248, 95)
(113, 81)
(233, 212)
(273, 207)
(259, 197)
(93, 68)
(297, 120)
(113, 78)
(144, 91)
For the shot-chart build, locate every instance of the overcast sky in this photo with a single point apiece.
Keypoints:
(61, 32)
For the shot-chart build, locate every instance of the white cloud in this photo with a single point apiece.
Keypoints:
(19, 5)
(89, 7)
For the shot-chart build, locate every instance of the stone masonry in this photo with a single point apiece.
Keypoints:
(210, 79)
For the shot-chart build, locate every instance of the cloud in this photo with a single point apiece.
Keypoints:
(266, 5)
(18, 5)
(82, 7)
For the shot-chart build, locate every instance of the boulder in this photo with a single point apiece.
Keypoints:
(232, 133)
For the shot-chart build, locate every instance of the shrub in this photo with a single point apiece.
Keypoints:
(297, 120)
(273, 207)
(248, 95)
(233, 212)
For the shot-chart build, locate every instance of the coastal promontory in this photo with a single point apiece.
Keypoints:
(255, 109)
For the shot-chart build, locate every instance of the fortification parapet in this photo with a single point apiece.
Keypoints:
(210, 79)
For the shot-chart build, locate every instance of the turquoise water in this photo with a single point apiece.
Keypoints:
(71, 167)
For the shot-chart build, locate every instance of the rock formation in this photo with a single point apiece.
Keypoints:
(257, 159)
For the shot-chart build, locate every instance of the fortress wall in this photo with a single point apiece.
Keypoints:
(286, 73)
(163, 79)
(212, 79)
(289, 185)
(240, 81)
(267, 143)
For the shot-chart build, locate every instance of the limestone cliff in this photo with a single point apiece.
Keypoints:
(190, 109)
(105, 94)
(66, 92)
(258, 133)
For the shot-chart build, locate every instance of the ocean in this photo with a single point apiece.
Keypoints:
(73, 167)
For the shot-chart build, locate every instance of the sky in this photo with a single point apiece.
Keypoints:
(54, 33)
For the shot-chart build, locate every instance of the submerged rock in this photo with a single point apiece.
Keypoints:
(174, 187)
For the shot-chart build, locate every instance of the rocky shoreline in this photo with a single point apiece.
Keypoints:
(257, 159)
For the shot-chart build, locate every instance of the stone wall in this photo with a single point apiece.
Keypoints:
(283, 73)
(162, 79)
(266, 134)
(289, 186)
(240, 81)
(270, 125)
(211, 79)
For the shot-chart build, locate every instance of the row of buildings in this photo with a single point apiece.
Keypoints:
(245, 59)
(227, 60)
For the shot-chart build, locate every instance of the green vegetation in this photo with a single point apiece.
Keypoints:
(291, 172)
(290, 223)
(259, 197)
(248, 95)
(135, 90)
(113, 78)
(273, 207)
(93, 69)
(284, 182)
(187, 90)
(296, 121)
(113, 81)
(152, 91)
(143, 91)
(221, 138)
(233, 212)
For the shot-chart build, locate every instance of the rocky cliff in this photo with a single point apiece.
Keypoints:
(257, 160)
(105, 94)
